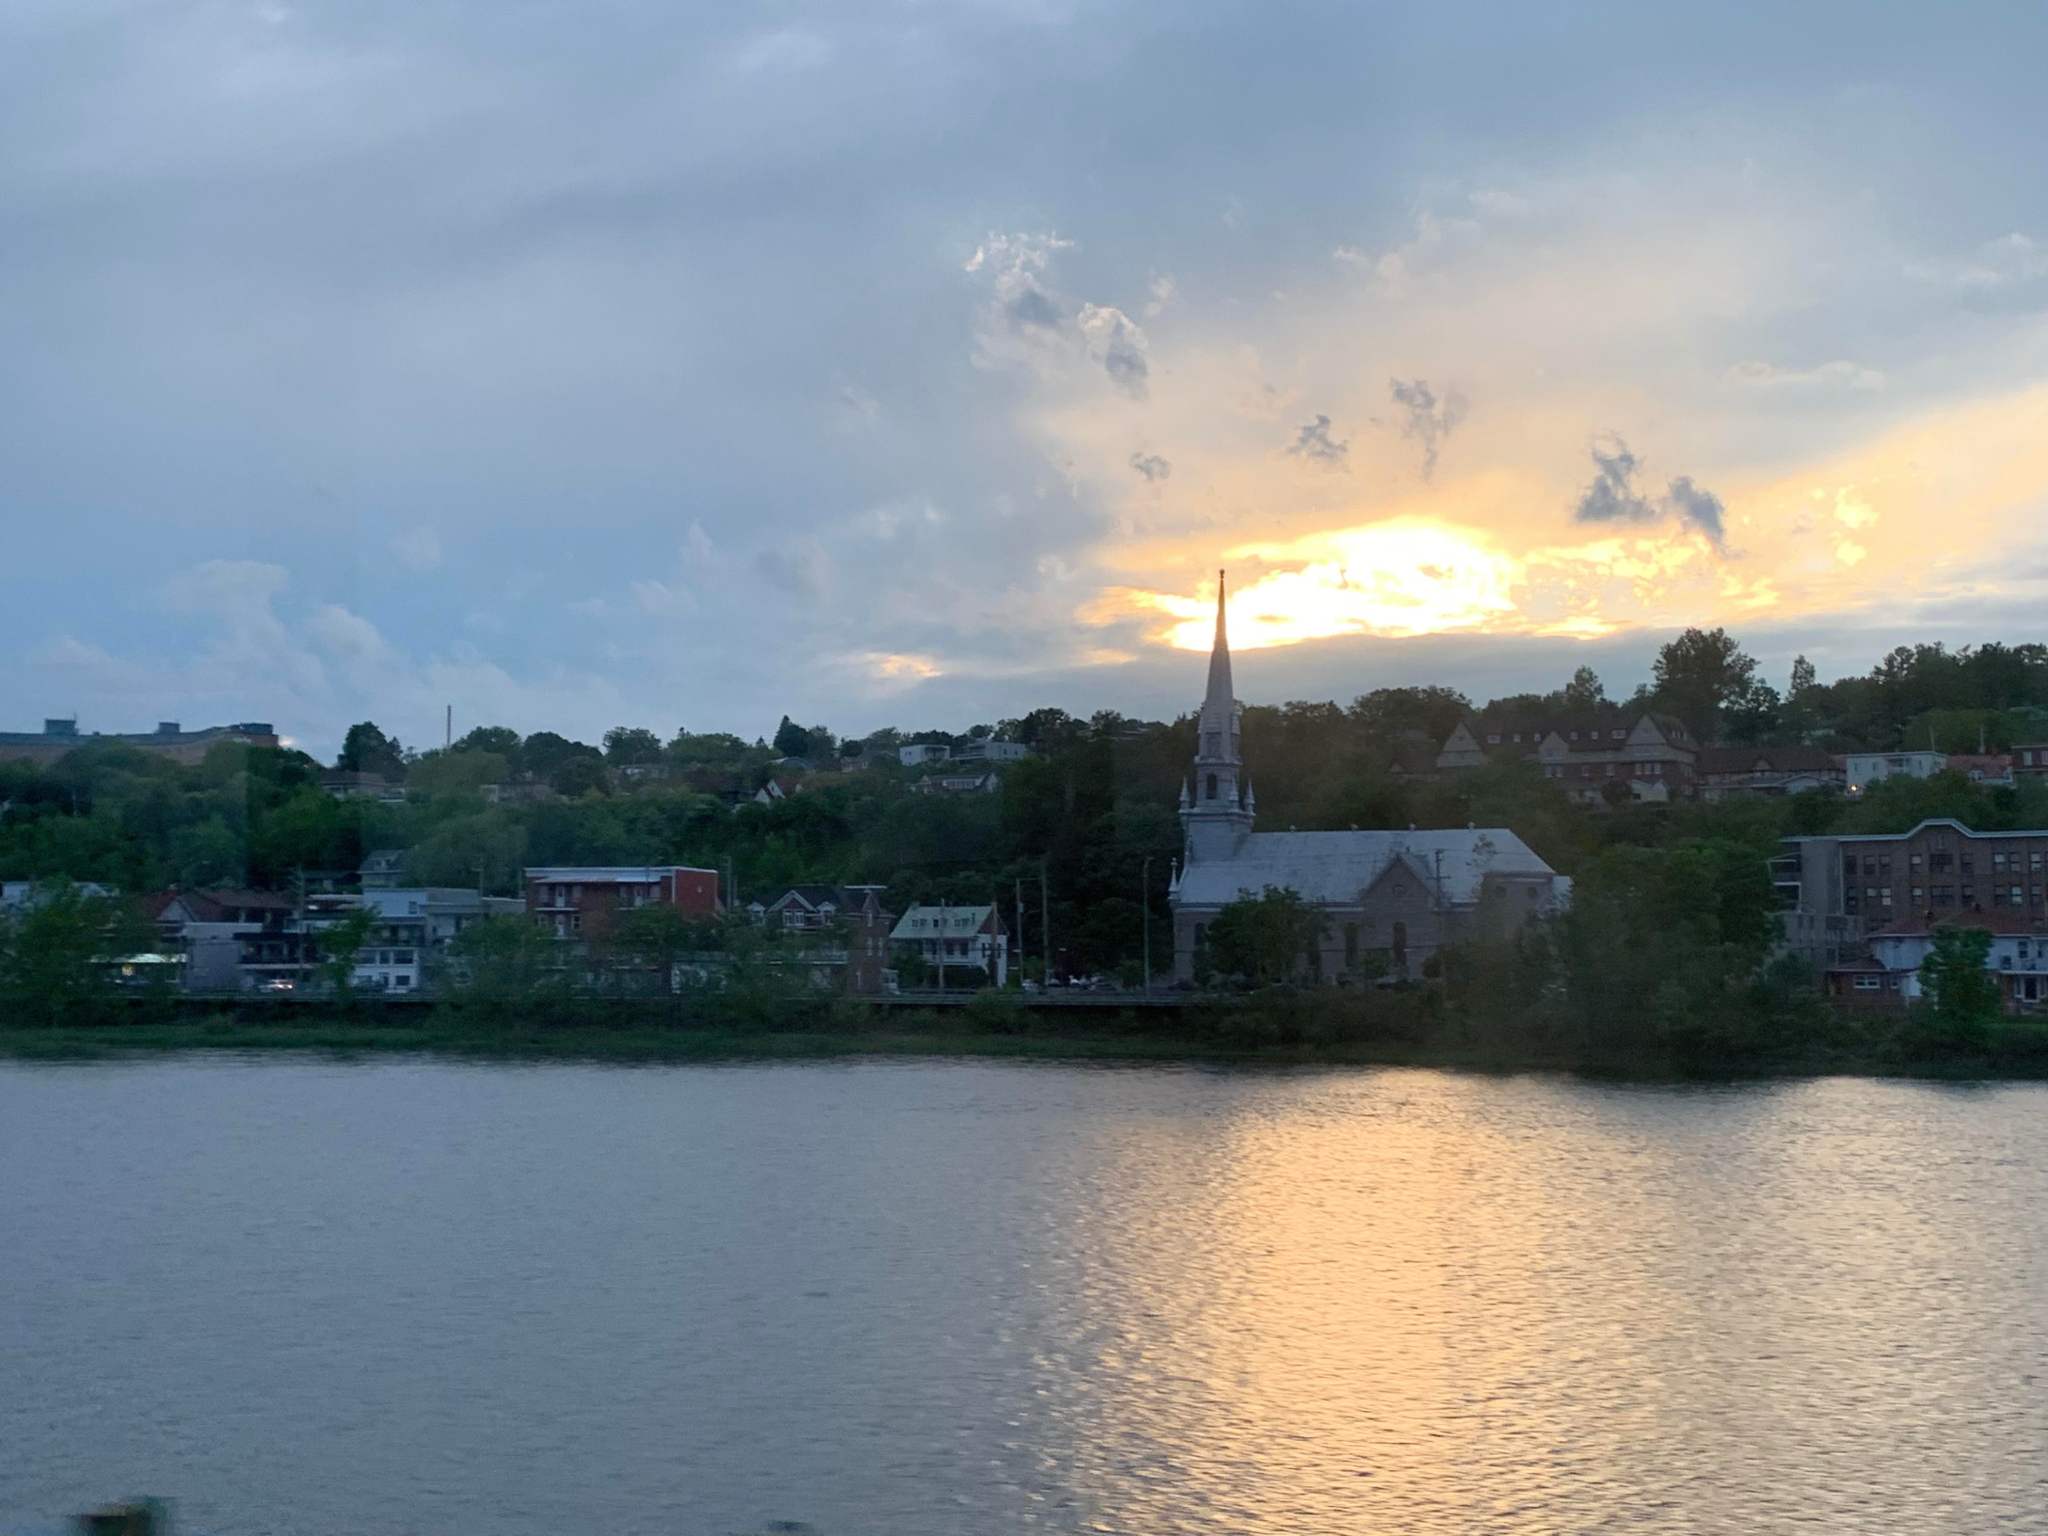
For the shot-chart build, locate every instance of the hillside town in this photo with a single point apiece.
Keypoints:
(931, 862)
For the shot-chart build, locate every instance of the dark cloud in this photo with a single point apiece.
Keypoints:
(1314, 442)
(1031, 305)
(1613, 497)
(1702, 508)
(1151, 466)
(1427, 419)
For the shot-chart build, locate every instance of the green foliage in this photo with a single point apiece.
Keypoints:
(365, 749)
(1265, 938)
(56, 950)
(502, 961)
(1701, 674)
(340, 943)
(1963, 998)
(628, 745)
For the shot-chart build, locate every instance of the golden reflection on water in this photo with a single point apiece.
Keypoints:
(1394, 1303)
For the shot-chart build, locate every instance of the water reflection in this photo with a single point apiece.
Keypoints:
(932, 1298)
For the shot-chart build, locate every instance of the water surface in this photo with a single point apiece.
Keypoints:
(926, 1298)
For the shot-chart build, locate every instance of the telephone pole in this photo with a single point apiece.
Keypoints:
(1017, 906)
(1045, 920)
(1145, 907)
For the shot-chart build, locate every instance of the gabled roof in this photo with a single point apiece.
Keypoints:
(1899, 837)
(928, 922)
(1333, 867)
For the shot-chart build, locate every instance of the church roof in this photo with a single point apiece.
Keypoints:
(1333, 867)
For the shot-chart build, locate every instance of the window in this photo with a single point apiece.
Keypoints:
(1941, 861)
(1969, 864)
(1350, 945)
(1868, 983)
(1887, 898)
(1997, 863)
(1913, 863)
(1212, 743)
(1944, 895)
(2033, 861)
(1212, 786)
(1919, 895)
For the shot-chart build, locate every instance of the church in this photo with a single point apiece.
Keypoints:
(1390, 900)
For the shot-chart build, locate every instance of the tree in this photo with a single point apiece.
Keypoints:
(791, 739)
(501, 960)
(501, 739)
(340, 943)
(365, 749)
(1584, 693)
(1963, 995)
(644, 945)
(1264, 938)
(54, 952)
(1752, 717)
(1700, 674)
(1803, 677)
(631, 745)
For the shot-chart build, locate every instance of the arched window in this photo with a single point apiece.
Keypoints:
(1201, 934)
(1212, 786)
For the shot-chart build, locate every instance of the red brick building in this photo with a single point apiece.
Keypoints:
(578, 901)
(1939, 869)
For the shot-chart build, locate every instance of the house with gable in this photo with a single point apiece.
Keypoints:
(1389, 899)
(1596, 757)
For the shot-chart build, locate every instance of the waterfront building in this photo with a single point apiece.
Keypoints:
(957, 936)
(1390, 899)
(578, 902)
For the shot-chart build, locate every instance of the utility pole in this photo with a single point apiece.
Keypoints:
(942, 943)
(1145, 907)
(1017, 906)
(448, 730)
(1045, 921)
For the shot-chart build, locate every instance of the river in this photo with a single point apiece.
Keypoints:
(945, 1298)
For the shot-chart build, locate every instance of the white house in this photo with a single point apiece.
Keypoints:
(1390, 899)
(2018, 956)
(956, 936)
(918, 753)
(1867, 768)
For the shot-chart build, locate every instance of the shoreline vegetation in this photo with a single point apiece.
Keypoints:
(1284, 1027)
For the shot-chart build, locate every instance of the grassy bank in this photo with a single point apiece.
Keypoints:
(1247, 1032)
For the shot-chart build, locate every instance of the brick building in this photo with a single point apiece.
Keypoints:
(1837, 891)
(578, 901)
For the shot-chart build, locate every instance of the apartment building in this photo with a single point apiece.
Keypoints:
(578, 902)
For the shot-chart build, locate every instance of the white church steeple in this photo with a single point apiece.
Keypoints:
(1214, 811)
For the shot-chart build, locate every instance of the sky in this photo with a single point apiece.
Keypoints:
(920, 363)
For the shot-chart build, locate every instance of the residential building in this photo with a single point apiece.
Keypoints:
(919, 753)
(2030, 760)
(411, 927)
(578, 902)
(231, 939)
(1889, 974)
(988, 783)
(1731, 773)
(1597, 757)
(1834, 892)
(810, 908)
(988, 749)
(20, 895)
(59, 736)
(956, 936)
(1390, 899)
(347, 784)
(841, 933)
(1867, 768)
(383, 869)
(1991, 770)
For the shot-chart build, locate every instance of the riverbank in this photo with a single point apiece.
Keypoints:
(2018, 1053)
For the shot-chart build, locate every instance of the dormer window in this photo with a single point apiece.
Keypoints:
(1493, 739)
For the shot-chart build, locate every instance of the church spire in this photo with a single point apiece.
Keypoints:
(1214, 810)
(1221, 695)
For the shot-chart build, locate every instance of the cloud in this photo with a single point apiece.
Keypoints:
(1700, 508)
(1839, 374)
(1427, 419)
(1313, 442)
(2002, 263)
(798, 569)
(1164, 290)
(1151, 466)
(417, 549)
(1613, 498)
(1115, 341)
